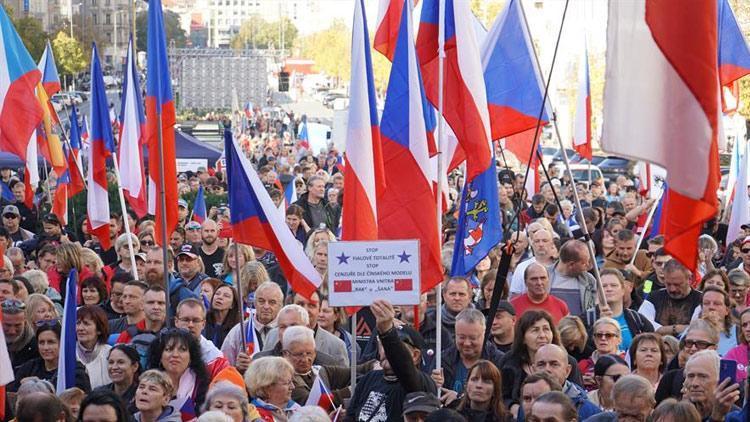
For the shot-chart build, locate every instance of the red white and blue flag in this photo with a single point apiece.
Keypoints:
(199, 206)
(102, 145)
(661, 104)
(251, 345)
(582, 128)
(407, 209)
(319, 394)
(515, 88)
(85, 140)
(740, 213)
(387, 26)
(363, 172)
(20, 112)
(256, 221)
(160, 113)
(734, 54)
(302, 133)
(132, 139)
(75, 166)
(50, 78)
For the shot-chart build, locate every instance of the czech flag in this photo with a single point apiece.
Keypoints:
(302, 134)
(363, 172)
(102, 145)
(132, 139)
(387, 27)
(85, 132)
(515, 88)
(256, 221)
(407, 209)
(74, 158)
(734, 54)
(661, 104)
(465, 106)
(319, 394)
(66, 361)
(252, 348)
(199, 206)
(50, 78)
(160, 111)
(582, 132)
(20, 112)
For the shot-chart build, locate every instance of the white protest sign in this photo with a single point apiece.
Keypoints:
(191, 164)
(360, 272)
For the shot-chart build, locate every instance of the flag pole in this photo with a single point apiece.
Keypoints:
(353, 358)
(650, 216)
(163, 205)
(240, 296)
(125, 222)
(579, 211)
(440, 171)
(66, 139)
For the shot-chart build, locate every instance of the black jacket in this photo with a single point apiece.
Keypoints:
(377, 397)
(36, 368)
(451, 360)
(333, 212)
(637, 323)
(511, 368)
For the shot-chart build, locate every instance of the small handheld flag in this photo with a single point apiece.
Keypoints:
(66, 361)
(199, 206)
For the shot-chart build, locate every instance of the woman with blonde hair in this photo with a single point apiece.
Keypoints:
(155, 389)
(253, 274)
(39, 308)
(230, 262)
(124, 263)
(321, 234)
(573, 336)
(68, 257)
(270, 382)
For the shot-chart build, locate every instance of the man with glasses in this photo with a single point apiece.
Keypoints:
(700, 335)
(655, 281)
(633, 398)
(19, 335)
(553, 360)
(193, 233)
(745, 255)
(191, 316)
(299, 350)
(670, 309)
(12, 222)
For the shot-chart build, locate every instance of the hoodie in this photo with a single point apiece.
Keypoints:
(170, 414)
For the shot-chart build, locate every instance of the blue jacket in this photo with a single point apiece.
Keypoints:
(178, 291)
(580, 399)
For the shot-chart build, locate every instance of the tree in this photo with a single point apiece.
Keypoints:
(330, 49)
(69, 55)
(33, 36)
(258, 33)
(174, 31)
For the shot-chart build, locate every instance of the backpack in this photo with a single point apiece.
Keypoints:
(141, 341)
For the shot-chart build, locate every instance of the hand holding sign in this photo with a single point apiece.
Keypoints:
(384, 314)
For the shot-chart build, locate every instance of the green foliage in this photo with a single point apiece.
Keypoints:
(175, 33)
(259, 33)
(211, 200)
(68, 54)
(33, 36)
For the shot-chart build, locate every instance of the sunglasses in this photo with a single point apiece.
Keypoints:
(699, 344)
(603, 336)
(148, 243)
(745, 250)
(10, 216)
(193, 229)
(48, 323)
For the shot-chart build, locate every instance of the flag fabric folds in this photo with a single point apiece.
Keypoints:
(582, 132)
(132, 139)
(740, 205)
(252, 347)
(160, 113)
(20, 112)
(363, 172)
(102, 144)
(515, 88)
(50, 78)
(199, 206)
(302, 133)
(6, 370)
(734, 54)
(256, 221)
(407, 209)
(386, 29)
(66, 361)
(319, 395)
(75, 165)
(661, 89)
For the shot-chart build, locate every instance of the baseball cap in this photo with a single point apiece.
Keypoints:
(743, 227)
(503, 305)
(420, 401)
(11, 209)
(51, 219)
(201, 170)
(409, 335)
(192, 225)
(189, 250)
(182, 203)
(141, 256)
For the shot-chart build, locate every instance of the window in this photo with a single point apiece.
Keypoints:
(108, 19)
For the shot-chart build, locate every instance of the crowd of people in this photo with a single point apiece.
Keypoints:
(149, 352)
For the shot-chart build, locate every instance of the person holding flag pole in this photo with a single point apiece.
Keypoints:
(645, 230)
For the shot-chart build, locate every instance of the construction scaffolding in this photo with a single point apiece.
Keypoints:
(204, 78)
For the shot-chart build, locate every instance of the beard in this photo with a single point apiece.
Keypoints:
(154, 277)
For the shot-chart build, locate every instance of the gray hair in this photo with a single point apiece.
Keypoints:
(708, 354)
(608, 321)
(122, 240)
(297, 334)
(226, 388)
(270, 285)
(302, 312)
(217, 416)
(34, 385)
(633, 386)
(738, 277)
(265, 372)
(472, 316)
(703, 325)
(310, 414)
(38, 280)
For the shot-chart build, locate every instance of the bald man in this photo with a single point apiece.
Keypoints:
(211, 253)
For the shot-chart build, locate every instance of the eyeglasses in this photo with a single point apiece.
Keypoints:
(745, 250)
(698, 344)
(147, 243)
(301, 355)
(13, 305)
(607, 336)
(13, 216)
(188, 321)
(48, 323)
(192, 228)
(614, 377)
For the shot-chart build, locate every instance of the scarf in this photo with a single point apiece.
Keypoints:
(448, 317)
(87, 356)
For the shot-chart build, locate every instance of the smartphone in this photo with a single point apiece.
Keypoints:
(728, 369)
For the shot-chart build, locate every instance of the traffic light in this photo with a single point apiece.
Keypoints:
(283, 81)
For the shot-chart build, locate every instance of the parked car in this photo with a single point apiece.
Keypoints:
(612, 167)
(581, 172)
